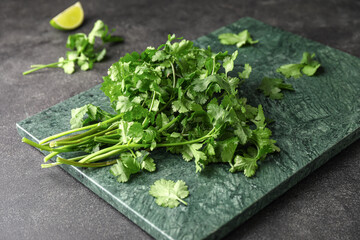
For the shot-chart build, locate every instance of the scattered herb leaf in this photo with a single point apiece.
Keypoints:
(271, 87)
(168, 193)
(239, 39)
(307, 66)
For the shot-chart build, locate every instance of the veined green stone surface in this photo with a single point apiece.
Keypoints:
(311, 125)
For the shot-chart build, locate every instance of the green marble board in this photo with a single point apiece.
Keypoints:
(312, 124)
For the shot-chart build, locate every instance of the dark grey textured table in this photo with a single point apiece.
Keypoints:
(40, 203)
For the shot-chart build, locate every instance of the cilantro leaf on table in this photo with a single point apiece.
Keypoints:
(310, 65)
(168, 193)
(307, 66)
(83, 52)
(239, 39)
(245, 74)
(271, 87)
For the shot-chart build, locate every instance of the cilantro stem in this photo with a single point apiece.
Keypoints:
(111, 120)
(213, 68)
(106, 140)
(152, 101)
(151, 106)
(173, 73)
(186, 142)
(49, 165)
(49, 156)
(106, 155)
(38, 67)
(79, 164)
(86, 136)
(180, 200)
(137, 145)
(116, 147)
(169, 124)
(34, 144)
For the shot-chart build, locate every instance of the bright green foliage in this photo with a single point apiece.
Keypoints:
(307, 66)
(178, 97)
(239, 39)
(129, 164)
(94, 114)
(264, 145)
(246, 73)
(271, 87)
(83, 52)
(168, 193)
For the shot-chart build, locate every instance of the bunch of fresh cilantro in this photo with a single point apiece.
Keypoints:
(178, 97)
(83, 52)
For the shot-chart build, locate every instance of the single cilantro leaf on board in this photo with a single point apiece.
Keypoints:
(271, 87)
(291, 70)
(307, 66)
(168, 193)
(239, 39)
(245, 74)
(311, 65)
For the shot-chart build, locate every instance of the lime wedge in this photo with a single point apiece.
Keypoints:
(69, 19)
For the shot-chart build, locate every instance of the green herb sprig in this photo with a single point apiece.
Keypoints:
(83, 52)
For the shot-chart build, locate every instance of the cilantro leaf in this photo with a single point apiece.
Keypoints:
(291, 70)
(94, 114)
(246, 73)
(228, 62)
(248, 165)
(311, 65)
(120, 171)
(239, 39)
(271, 87)
(129, 164)
(307, 66)
(193, 151)
(67, 65)
(168, 193)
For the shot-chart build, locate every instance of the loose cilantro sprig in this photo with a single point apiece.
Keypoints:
(271, 87)
(168, 193)
(173, 97)
(307, 66)
(239, 39)
(83, 52)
